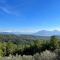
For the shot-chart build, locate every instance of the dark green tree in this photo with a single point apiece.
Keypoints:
(54, 42)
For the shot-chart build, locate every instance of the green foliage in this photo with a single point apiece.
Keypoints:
(1, 53)
(45, 55)
(11, 47)
(12, 44)
(54, 42)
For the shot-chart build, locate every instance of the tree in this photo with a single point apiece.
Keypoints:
(11, 48)
(1, 49)
(54, 42)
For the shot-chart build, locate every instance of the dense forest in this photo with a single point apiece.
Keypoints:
(26, 45)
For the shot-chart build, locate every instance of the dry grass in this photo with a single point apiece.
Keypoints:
(46, 55)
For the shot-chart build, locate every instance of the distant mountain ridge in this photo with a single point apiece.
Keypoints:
(47, 33)
(10, 33)
(43, 34)
(39, 33)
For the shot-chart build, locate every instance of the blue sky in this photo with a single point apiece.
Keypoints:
(29, 15)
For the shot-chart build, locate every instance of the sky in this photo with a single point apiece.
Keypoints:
(29, 15)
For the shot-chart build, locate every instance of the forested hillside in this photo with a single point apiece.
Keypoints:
(21, 38)
(26, 44)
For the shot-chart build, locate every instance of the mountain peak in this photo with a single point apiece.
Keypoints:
(47, 33)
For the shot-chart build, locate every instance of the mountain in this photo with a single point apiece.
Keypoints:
(47, 33)
(16, 33)
(24, 36)
(39, 33)
(43, 34)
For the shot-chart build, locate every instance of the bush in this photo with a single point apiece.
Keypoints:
(46, 55)
(27, 57)
(57, 51)
(1, 53)
(36, 56)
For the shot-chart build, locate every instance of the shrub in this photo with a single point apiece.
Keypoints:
(46, 55)
(27, 57)
(57, 51)
(36, 56)
(1, 53)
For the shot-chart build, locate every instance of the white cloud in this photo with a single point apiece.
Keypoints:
(9, 11)
(27, 31)
(6, 8)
